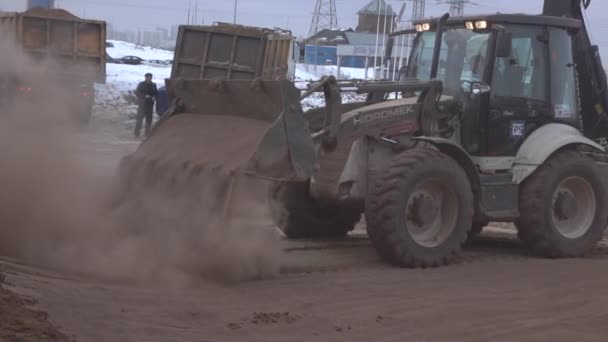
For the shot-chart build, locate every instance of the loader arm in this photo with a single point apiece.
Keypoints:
(388, 119)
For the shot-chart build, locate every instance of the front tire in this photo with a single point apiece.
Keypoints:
(564, 207)
(421, 209)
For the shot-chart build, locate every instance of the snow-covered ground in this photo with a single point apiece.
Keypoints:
(115, 103)
(313, 73)
(125, 77)
(122, 49)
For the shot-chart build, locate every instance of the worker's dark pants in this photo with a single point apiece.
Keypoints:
(145, 110)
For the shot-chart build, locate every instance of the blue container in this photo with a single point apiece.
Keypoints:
(321, 55)
(352, 62)
(40, 3)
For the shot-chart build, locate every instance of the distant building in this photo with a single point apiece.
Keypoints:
(164, 33)
(375, 15)
(117, 35)
(329, 37)
(174, 32)
(151, 38)
(132, 36)
(357, 50)
(167, 45)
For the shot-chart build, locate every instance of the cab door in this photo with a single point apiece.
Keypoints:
(519, 100)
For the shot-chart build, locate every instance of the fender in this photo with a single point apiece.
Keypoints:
(543, 143)
(458, 153)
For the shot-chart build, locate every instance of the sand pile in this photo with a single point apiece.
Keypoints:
(53, 196)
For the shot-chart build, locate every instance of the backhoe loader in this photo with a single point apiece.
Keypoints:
(498, 117)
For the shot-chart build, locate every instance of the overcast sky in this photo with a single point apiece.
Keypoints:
(293, 14)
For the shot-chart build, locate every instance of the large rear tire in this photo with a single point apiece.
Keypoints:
(564, 206)
(420, 211)
(299, 216)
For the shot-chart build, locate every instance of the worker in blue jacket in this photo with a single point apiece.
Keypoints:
(162, 103)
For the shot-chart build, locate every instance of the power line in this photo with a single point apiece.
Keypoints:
(418, 9)
(456, 6)
(324, 17)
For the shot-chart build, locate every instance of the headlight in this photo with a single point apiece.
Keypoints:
(470, 25)
(423, 27)
(481, 25)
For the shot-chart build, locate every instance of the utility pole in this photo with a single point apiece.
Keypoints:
(456, 6)
(189, 16)
(236, 5)
(324, 17)
(400, 50)
(418, 8)
(377, 40)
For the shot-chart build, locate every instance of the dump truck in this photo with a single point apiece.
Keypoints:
(76, 47)
(498, 117)
(233, 52)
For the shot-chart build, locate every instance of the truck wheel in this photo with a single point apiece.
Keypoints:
(420, 210)
(299, 216)
(564, 206)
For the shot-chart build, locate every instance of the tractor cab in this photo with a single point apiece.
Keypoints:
(511, 74)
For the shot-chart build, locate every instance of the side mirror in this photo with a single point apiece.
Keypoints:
(504, 44)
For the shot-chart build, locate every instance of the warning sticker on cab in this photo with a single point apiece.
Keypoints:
(518, 128)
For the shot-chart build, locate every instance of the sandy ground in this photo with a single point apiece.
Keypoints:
(325, 291)
(341, 293)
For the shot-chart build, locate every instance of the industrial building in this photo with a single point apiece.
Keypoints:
(360, 48)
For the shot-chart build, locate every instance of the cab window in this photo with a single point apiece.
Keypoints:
(524, 73)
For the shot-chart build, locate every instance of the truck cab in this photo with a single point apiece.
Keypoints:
(512, 74)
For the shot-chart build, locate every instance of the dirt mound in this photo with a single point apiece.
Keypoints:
(171, 232)
(20, 323)
(228, 141)
(52, 13)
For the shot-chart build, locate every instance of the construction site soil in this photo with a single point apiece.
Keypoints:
(69, 273)
(336, 290)
(327, 293)
(164, 274)
(156, 269)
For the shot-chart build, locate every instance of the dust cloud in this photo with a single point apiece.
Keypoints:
(53, 193)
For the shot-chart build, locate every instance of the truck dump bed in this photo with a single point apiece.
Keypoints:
(233, 52)
(78, 45)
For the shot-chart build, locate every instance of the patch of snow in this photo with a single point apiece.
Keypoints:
(126, 77)
(312, 73)
(122, 49)
(317, 100)
(303, 73)
(115, 105)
